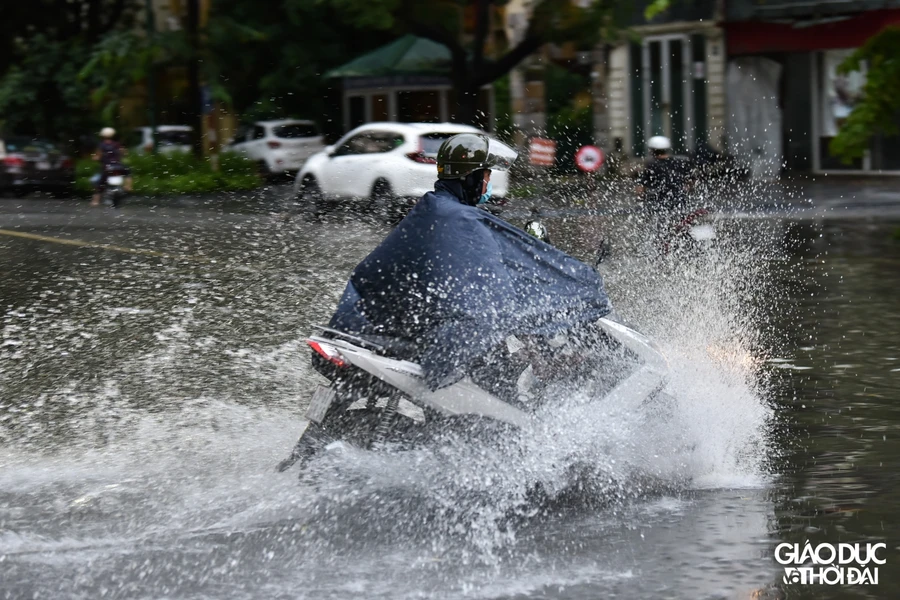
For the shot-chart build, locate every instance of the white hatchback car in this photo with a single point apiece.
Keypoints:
(381, 162)
(278, 146)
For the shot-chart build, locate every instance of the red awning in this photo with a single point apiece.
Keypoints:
(757, 37)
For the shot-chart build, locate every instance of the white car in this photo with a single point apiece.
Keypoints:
(278, 146)
(381, 162)
(171, 138)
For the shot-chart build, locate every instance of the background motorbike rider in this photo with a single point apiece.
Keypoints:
(110, 154)
(663, 185)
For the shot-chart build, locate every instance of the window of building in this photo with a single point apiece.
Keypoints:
(419, 106)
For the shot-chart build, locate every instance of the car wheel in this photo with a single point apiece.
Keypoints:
(382, 198)
(309, 196)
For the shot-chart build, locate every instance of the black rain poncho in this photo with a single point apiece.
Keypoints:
(456, 280)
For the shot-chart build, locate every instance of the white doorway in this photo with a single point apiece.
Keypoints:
(667, 88)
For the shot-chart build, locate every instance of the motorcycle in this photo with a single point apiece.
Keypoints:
(692, 231)
(114, 191)
(377, 396)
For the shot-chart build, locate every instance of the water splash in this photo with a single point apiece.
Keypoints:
(185, 482)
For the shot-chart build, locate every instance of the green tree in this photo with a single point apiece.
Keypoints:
(119, 61)
(569, 121)
(265, 60)
(42, 93)
(43, 46)
(877, 111)
(269, 56)
(583, 23)
(82, 21)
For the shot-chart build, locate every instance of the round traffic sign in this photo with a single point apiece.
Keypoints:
(589, 158)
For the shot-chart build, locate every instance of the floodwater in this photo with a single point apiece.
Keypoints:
(146, 397)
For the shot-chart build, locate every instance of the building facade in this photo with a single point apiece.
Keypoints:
(796, 46)
(666, 77)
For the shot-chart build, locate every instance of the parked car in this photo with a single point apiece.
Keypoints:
(382, 162)
(28, 164)
(278, 146)
(171, 138)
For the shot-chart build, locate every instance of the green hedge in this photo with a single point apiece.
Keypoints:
(84, 170)
(179, 173)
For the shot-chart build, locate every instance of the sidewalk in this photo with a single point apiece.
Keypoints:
(799, 197)
(833, 197)
(846, 191)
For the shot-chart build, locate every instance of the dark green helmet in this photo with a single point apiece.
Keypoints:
(467, 152)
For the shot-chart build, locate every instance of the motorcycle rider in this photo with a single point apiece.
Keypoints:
(663, 187)
(456, 281)
(462, 292)
(665, 181)
(110, 154)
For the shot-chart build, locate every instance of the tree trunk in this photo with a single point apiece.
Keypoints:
(466, 106)
(195, 101)
(465, 95)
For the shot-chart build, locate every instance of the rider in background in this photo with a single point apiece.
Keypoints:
(110, 154)
(664, 184)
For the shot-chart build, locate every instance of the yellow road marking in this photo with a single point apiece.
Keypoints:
(110, 247)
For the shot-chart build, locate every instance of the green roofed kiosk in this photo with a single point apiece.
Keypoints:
(407, 80)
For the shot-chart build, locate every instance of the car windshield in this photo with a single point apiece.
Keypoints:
(295, 130)
(174, 138)
(20, 144)
(430, 143)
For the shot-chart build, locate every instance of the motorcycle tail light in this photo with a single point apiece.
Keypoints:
(329, 353)
(421, 158)
(14, 161)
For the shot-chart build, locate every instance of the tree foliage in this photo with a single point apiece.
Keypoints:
(85, 21)
(42, 94)
(269, 56)
(43, 46)
(877, 111)
(569, 117)
(116, 63)
(124, 58)
(583, 23)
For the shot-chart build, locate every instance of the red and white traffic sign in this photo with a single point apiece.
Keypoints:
(543, 152)
(589, 158)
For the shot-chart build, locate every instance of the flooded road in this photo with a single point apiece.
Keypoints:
(148, 389)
